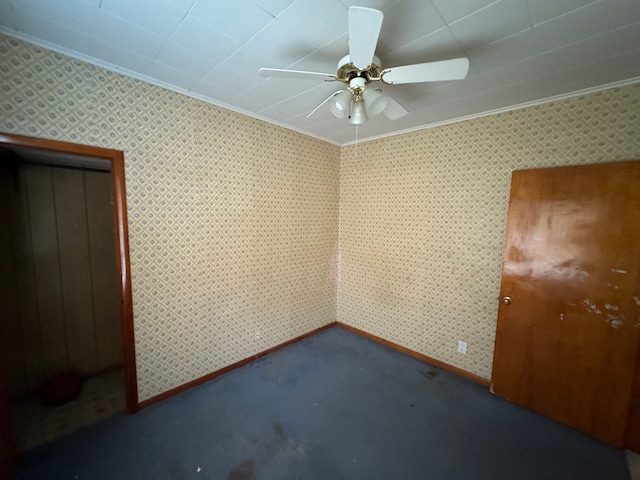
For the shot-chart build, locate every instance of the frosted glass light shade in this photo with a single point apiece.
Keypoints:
(339, 105)
(375, 101)
(358, 113)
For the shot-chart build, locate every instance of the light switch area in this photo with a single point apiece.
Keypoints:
(462, 347)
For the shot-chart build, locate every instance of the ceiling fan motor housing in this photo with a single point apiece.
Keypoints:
(347, 71)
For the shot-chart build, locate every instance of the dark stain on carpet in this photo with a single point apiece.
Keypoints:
(246, 470)
(430, 374)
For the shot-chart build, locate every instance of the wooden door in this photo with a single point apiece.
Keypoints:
(569, 315)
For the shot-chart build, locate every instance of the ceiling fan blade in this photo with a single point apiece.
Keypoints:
(394, 110)
(325, 101)
(364, 30)
(297, 74)
(454, 69)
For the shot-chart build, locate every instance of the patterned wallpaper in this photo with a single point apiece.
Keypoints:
(232, 221)
(422, 217)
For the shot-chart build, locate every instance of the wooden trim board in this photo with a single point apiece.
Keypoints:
(201, 380)
(229, 368)
(419, 356)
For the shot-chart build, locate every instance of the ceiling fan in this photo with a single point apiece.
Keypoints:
(361, 67)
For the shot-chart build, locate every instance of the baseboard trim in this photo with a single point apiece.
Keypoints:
(199, 381)
(437, 363)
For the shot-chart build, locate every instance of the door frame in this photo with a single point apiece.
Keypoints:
(121, 236)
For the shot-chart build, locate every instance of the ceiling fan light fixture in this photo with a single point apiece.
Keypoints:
(339, 105)
(358, 113)
(375, 101)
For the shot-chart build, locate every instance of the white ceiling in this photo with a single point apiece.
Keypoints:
(520, 51)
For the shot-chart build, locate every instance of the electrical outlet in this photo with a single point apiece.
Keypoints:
(257, 335)
(462, 347)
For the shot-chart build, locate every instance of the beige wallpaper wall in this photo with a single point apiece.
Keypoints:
(422, 217)
(232, 221)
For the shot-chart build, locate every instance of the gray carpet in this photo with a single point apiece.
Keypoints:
(334, 406)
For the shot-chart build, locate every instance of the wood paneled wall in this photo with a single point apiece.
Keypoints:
(60, 306)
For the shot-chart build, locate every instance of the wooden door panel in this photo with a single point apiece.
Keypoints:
(566, 346)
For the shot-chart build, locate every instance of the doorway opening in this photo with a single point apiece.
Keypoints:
(68, 357)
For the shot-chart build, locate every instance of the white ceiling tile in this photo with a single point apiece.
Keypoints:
(499, 20)
(343, 135)
(213, 90)
(51, 31)
(375, 4)
(504, 51)
(440, 45)
(317, 61)
(312, 98)
(450, 90)
(172, 76)
(152, 15)
(184, 59)
(74, 14)
(408, 21)
(543, 10)
(503, 97)
(452, 11)
(7, 17)
(429, 113)
(452, 108)
(312, 24)
(274, 7)
(237, 20)
(123, 58)
(253, 100)
(513, 73)
(384, 53)
(289, 109)
(316, 122)
(586, 22)
(126, 35)
(283, 88)
(469, 106)
(231, 80)
(285, 48)
(591, 49)
(197, 36)
(415, 93)
(182, 5)
(326, 59)
(277, 43)
(247, 62)
(601, 72)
